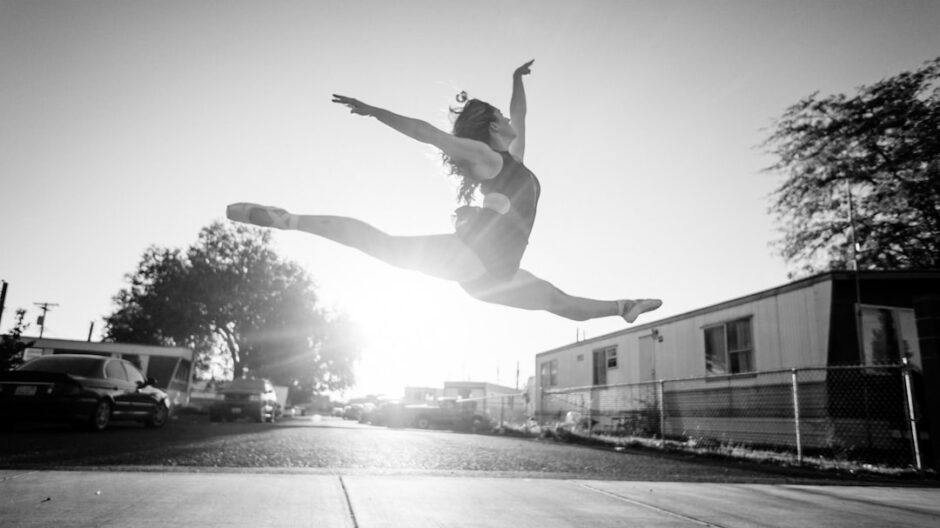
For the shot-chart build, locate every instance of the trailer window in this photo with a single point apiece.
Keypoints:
(889, 334)
(548, 373)
(729, 348)
(611, 357)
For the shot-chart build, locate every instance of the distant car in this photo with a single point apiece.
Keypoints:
(352, 412)
(452, 413)
(379, 414)
(254, 399)
(82, 389)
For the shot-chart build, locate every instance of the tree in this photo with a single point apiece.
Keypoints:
(11, 348)
(229, 295)
(865, 166)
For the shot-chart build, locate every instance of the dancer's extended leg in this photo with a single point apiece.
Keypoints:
(529, 292)
(443, 256)
(447, 257)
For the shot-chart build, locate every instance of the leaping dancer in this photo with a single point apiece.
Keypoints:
(485, 152)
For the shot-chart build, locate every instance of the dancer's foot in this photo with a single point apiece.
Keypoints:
(261, 215)
(631, 309)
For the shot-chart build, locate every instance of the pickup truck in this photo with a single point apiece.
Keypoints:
(446, 413)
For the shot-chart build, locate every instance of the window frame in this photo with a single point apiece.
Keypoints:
(552, 366)
(904, 345)
(610, 353)
(727, 352)
(118, 364)
(134, 375)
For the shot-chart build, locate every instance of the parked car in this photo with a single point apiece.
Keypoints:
(367, 413)
(377, 414)
(82, 389)
(352, 411)
(450, 413)
(254, 399)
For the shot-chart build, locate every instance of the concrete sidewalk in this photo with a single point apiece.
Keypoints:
(159, 499)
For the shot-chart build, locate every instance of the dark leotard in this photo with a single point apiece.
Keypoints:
(499, 240)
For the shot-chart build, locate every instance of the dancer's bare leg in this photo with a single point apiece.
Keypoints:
(528, 292)
(447, 257)
(444, 256)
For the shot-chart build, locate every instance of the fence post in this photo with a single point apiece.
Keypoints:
(912, 417)
(796, 416)
(662, 415)
(539, 411)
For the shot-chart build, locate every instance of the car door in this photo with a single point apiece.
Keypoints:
(142, 400)
(121, 389)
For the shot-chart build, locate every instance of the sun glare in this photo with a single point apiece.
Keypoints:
(405, 319)
(408, 321)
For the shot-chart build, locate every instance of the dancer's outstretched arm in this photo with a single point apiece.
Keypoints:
(517, 110)
(482, 161)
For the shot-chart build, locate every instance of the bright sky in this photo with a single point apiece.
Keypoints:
(125, 124)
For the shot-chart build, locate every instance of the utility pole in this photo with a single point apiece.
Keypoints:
(859, 340)
(44, 306)
(3, 298)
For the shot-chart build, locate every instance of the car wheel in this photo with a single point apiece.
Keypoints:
(423, 422)
(101, 417)
(158, 416)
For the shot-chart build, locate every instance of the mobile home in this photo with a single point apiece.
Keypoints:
(827, 320)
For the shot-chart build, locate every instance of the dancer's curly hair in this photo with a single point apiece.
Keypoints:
(472, 122)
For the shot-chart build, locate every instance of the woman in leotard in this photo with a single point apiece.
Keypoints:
(485, 150)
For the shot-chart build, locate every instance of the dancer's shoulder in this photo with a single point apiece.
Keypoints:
(482, 162)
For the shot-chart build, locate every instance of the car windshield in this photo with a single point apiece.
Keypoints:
(78, 366)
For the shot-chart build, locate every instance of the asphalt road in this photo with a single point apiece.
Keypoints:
(332, 445)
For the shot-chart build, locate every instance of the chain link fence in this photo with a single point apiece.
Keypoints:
(513, 409)
(863, 414)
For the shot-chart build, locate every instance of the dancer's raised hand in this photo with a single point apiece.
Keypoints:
(355, 106)
(525, 69)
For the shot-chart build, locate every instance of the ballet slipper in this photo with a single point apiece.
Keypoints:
(261, 215)
(630, 310)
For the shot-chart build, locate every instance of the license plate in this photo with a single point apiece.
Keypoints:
(236, 410)
(25, 390)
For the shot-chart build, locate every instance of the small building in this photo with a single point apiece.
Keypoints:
(806, 323)
(415, 395)
(501, 403)
(826, 320)
(476, 389)
(171, 367)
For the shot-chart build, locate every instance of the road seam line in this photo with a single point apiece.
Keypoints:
(650, 506)
(352, 513)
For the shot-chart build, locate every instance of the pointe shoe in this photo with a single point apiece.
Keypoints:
(630, 310)
(261, 215)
